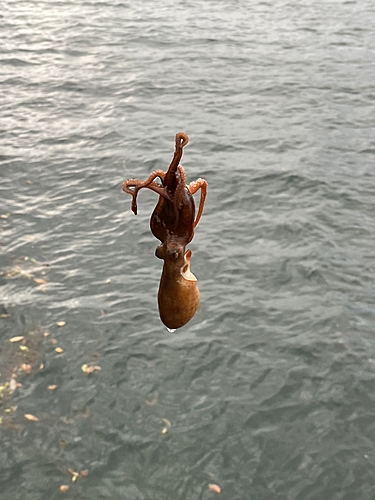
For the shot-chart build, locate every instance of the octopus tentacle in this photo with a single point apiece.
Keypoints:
(178, 193)
(177, 198)
(181, 140)
(149, 183)
(175, 178)
(193, 187)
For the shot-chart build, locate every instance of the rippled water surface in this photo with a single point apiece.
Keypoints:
(269, 392)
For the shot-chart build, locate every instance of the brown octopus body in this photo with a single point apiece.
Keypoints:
(173, 222)
(178, 296)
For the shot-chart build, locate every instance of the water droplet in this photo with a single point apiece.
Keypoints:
(171, 330)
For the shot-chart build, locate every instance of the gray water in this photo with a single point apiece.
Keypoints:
(269, 392)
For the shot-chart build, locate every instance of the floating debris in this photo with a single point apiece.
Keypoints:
(17, 339)
(13, 384)
(20, 356)
(64, 488)
(59, 350)
(30, 417)
(77, 475)
(61, 323)
(168, 425)
(11, 409)
(153, 401)
(19, 272)
(215, 488)
(87, 369)
(4, 387)
(40, 281)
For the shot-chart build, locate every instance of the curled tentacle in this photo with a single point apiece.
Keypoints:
(170, 179)
(193, 188)
(181, 139)
(149, 183)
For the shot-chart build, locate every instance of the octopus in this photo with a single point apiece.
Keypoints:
(173, 223)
